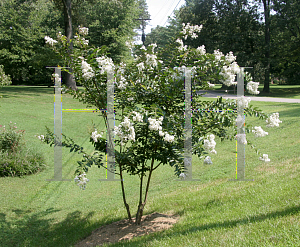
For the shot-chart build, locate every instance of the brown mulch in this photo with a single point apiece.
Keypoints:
(123, 230)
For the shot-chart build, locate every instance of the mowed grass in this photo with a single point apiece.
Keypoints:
(276, 91)
(213, 211)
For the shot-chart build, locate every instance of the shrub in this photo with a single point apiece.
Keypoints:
(20, 163)
(15, 160)
(10, 138)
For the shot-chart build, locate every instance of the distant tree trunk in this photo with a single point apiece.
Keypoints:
(70, 80)
(267, 45)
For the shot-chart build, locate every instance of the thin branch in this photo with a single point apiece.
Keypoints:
(157, 166)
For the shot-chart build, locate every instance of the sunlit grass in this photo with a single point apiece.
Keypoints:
(276, 91)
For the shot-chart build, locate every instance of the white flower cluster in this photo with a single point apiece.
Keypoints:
(259, 132)
(209, 144)
(138, 117)
(50, 41)
(182, 175)
(230, 57)
(156, 125)
(210, 85)
(143, 48)
(242, 102)
(105, 64)
(129, 44)
(168, 138)
(122, 83)
(96, 135)
(41, 137)
(151, 60)
(240, 121)
(153, 46)
(85, 41)
(83, 30)
(252, 87)
(140, 67)
(265, 158)
(273, 120)
(125, 131)
(78, 40)
(189, 30)
(56, 78)
(87, 70)
(229, 72)
(218, 55)
(207, 161)
(241, 138)
(201, 50)
(81, 180)
(181, 47)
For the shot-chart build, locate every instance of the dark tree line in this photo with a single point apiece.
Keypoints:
(25, 23)
(263, 34)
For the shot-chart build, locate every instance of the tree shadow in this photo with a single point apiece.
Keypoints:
(18, 92)
(292, 111)
(38, 229)
(216, 225)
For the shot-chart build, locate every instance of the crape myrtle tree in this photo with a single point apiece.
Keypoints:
(149, 106)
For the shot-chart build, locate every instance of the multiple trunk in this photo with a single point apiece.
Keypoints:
(142, 203)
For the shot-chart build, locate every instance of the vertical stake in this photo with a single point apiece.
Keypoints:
(57, 129)
(240, 147)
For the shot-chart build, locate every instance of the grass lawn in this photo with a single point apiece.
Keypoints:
(213, 211)
(276, 91)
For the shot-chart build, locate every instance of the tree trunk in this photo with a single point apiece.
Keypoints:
(124, 197)
(70, 80)
(267, 46)
(141, 206)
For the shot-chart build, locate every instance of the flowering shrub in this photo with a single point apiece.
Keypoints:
(149, 106)
(10, 138)
(4, 79)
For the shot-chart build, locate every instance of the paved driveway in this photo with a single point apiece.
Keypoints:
(214, 94)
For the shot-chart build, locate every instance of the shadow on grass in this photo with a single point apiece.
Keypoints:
(287, 92)
(34, 230)
(291, 110)
(142, 241)
(20, 91)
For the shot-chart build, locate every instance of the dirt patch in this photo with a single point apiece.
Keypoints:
(123, 230)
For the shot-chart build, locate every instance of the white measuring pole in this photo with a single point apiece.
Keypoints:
(240, 147)
(57, 129)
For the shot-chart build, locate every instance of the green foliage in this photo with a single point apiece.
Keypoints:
(10, 138)
(285, 34)
(111, 24)
(163, 36)
(14, 160)
(4, 79)
(228, 25)
(22, 28)
(20, 163)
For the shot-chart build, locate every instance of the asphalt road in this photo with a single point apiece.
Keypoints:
(214, 94)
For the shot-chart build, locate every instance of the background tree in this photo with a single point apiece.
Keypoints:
(163, 36)
(23, 25)
(266, 4)
(285, 48)
(228, 25)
